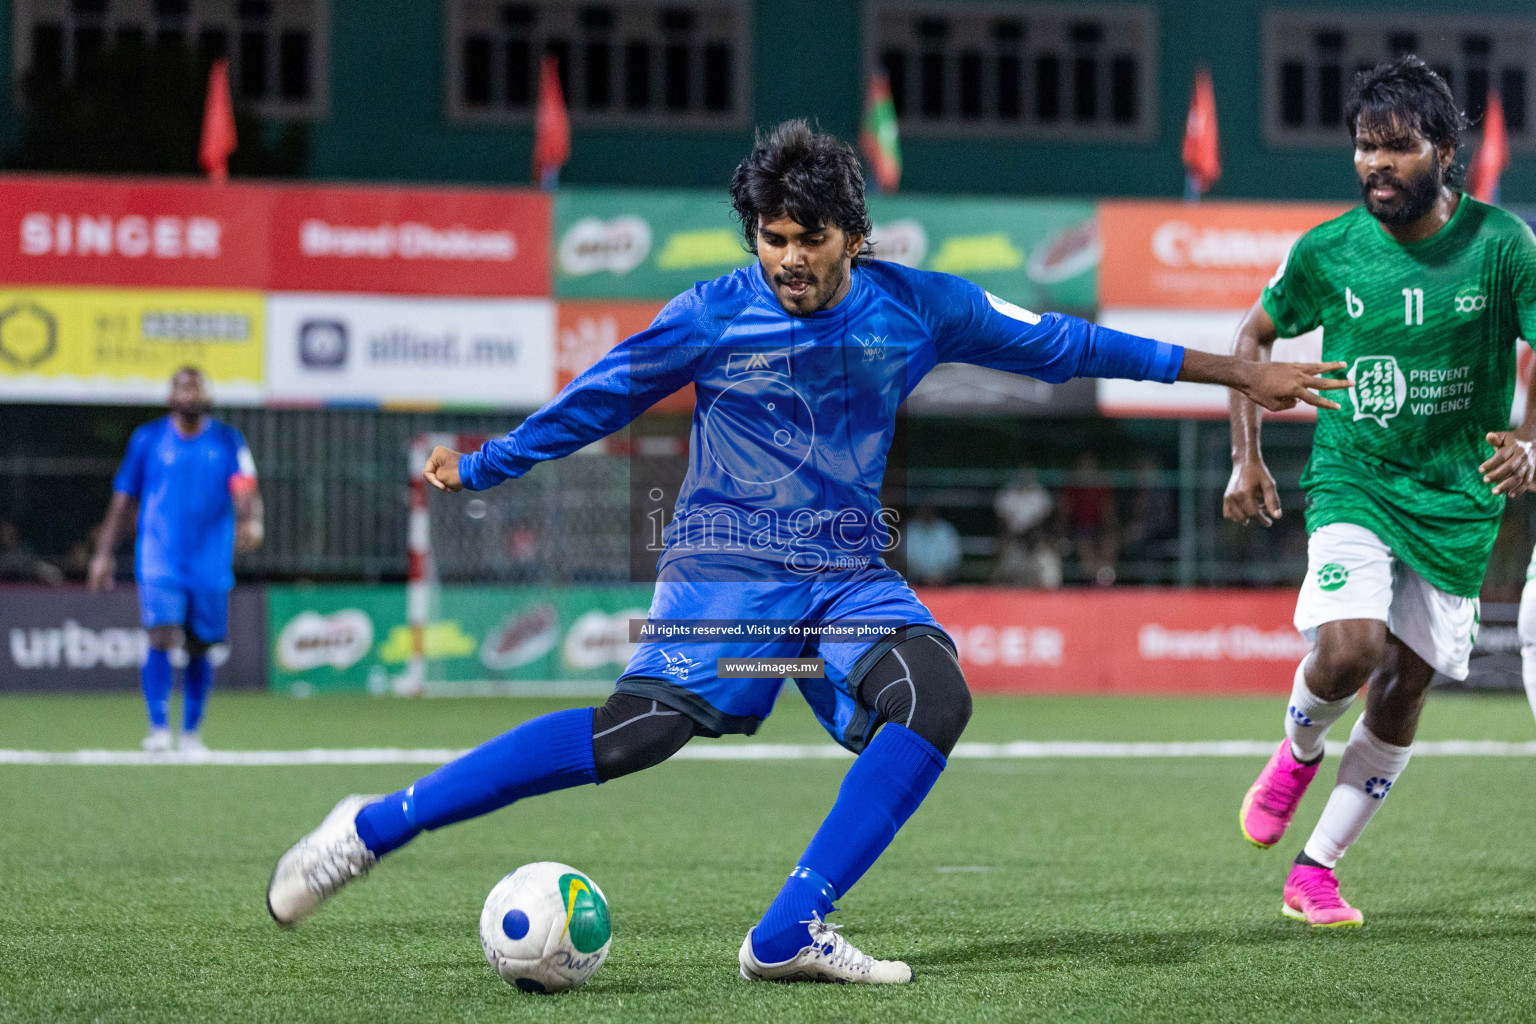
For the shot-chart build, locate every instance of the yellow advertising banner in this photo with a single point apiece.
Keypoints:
(122, 344)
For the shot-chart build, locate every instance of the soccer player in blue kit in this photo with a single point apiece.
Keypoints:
(193, 482)
(799, 362)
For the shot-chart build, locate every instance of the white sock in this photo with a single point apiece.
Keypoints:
(1367, 770)
(1527, 630)
(1308, 717)
(1528, 671)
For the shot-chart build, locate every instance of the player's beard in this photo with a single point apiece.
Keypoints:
(1415, 196)
(192, 410)
(817, 295)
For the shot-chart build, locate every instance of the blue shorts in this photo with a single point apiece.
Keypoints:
(683, 675)
(204, 614)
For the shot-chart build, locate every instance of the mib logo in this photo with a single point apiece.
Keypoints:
(873, 346)
(758, 362)
(678, 665)
(1380, 388)
(1353, 304)
(1298, 717)
(323, 344)
(1377, 788)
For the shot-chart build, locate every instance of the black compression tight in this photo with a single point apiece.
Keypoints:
(630, 733)
(917, 684)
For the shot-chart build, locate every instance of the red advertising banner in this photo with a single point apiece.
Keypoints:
(411, 241)
(585, 331)
(1122, 641)
(1173, 255)
(182, 234)
(78, 231)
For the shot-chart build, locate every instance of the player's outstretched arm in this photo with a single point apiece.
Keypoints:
(635, 375)
(122, 510)
(1275, 386)
(1512, 468)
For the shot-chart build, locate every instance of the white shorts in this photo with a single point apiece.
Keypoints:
(1352, 574)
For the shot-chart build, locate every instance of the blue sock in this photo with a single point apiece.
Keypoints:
(196, 681)
(879, 793)
(548, 753)
(155, 679)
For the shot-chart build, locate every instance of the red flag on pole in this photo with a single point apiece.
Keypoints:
(1202, 153)
(877, 135)
(218, 124)
(1492, 156)
(552, 127)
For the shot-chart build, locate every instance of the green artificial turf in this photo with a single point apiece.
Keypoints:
(1090, 890)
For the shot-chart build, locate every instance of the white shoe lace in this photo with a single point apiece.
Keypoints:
(835, 950)
(330, 867)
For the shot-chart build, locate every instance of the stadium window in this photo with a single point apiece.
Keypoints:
(253, 65)
(278, 53)
(1009, 34)
(637, 75)
(895, 64)
(1039, 70)
(1512, 93)
(477, 71)
(1047, 88)
(625, 62)
(970, 84)
(212, 43)
(1309, 56)
(1122, 90)
(48, 52)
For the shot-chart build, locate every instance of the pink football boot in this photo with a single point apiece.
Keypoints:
(1312, 895)
(1273, 799)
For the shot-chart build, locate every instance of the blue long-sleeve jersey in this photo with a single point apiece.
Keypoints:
(794, 416)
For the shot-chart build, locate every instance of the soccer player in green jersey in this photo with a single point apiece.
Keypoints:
(1422, 292)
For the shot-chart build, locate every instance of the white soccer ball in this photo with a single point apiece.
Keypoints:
(545, 928)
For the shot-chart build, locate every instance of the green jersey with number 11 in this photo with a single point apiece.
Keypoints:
(1428, 331)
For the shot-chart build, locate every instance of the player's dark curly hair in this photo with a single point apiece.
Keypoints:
(1406, 93)
(809, 176)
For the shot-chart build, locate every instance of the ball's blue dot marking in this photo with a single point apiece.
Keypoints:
(530, 985)
(515, 924)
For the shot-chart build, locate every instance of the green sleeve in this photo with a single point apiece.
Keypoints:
(1291, 296)
(1523, 282)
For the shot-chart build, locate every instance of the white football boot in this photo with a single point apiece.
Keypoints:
(157, 742)
(319, 864)
(191, 745)
(829, 958)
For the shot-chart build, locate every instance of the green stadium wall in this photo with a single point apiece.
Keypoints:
(387, 115)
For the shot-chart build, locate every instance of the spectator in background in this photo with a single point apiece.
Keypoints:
(518, 554)
(1023, 506)
(1027, 554)
(1093, 524)
(18, 562)
(1150, 512)
(933, 548)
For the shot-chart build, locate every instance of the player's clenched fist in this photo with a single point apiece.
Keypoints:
(1251, 494)
(442, 469)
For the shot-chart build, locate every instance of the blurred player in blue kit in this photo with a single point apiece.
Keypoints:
(800, 361)
(192, 483)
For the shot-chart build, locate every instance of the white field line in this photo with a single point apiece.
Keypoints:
(1021, 750)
